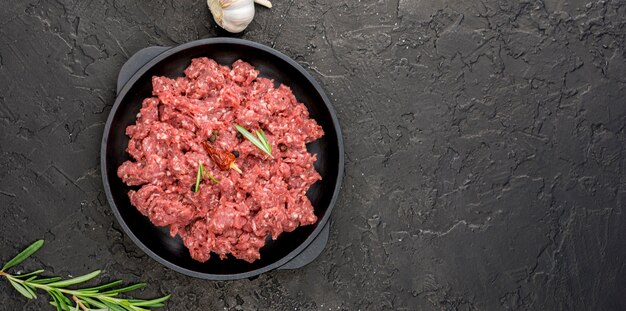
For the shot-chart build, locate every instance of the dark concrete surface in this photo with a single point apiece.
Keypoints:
(485, 144)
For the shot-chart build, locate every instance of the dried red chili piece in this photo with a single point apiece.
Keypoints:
(223, 159)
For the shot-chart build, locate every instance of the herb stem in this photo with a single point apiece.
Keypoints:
(79, 303)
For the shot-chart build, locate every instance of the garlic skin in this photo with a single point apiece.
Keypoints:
(234, 15)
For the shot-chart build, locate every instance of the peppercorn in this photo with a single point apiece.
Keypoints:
(214, 136)
(239, 135)
(236, 153)
(282, 147)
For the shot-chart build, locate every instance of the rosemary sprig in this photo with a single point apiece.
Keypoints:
(103, 297)
(260, 140)
(201, 174)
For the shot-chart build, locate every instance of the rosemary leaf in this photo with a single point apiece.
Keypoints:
(103, 286)
(207, 174)
(60, 302)
(76, 280)
(158, 302)
(95, 303)
(260, 141)
(29, 274)
(46, 280)
(126, 289)
(213, 178)
(263, 139)
(23, 255)
(113, 307)
(22, 289)
(56, 302)
(65, 302)
(199, 176)
(31, 290)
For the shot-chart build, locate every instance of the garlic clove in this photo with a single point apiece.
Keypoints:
(234, 15)
(265, 3)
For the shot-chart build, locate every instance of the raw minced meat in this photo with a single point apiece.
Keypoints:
(235, 216)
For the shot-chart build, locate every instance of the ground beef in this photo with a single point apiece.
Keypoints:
(238, 214)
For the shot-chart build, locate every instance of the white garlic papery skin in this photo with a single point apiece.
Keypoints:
(234, 15)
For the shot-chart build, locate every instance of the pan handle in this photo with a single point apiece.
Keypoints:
(311, 252)
(135, 62)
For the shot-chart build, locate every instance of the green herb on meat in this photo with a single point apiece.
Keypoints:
(260, 140)
(207, 174)
(198, 176)
(201, 174)
(102, 297)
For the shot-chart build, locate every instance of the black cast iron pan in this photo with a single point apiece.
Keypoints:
(291, 250)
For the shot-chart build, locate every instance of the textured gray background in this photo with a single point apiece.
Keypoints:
(485, 144)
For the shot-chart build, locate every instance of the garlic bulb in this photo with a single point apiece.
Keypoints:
(234, 15)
